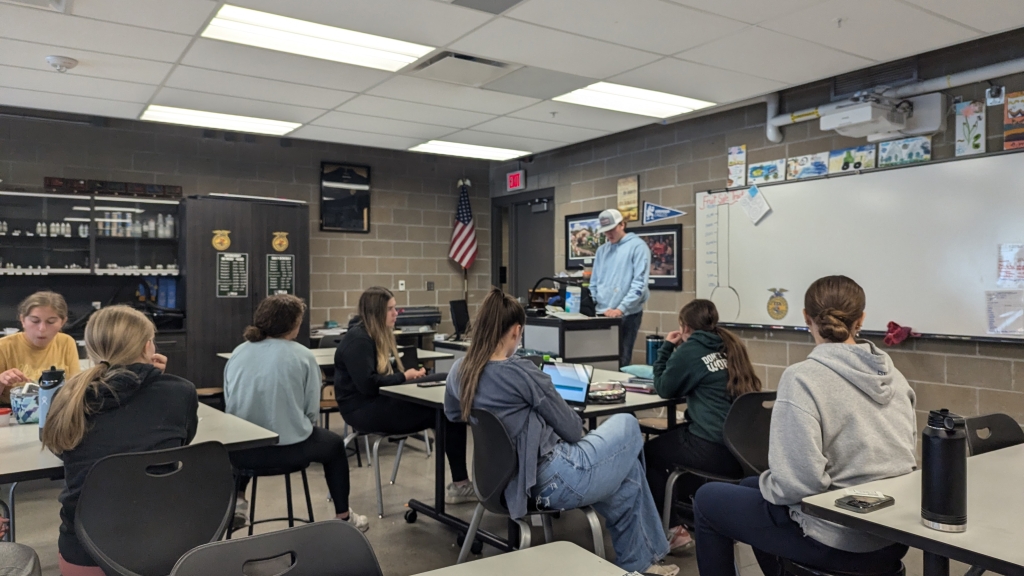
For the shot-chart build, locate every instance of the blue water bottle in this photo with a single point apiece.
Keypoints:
(654, 343)
(49, 382)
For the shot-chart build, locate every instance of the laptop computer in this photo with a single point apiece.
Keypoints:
(572, 382)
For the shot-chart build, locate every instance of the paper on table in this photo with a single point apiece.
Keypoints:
(754, 204)
(1005, 310)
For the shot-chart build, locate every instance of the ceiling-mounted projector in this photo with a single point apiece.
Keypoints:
(864, 119)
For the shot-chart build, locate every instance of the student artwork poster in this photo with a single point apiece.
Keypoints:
(851, 159)
(1013, 122)
(765, 172)
(970, 128)
(737, 166)
(807, 166)
(905, 151)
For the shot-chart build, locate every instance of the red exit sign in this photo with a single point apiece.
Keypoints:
(515, 180)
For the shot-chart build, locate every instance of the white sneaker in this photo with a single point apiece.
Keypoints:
(358, 520)
(661, 569)
(241, 513)
(455, 494)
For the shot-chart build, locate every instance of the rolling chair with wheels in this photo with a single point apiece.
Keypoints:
(331, 548)
(495, 463)
(138, 513)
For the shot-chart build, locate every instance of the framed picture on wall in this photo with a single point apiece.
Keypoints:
(344, 197)
(581, 239)
(665, 243)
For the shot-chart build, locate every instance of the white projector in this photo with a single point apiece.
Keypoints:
(864, 119)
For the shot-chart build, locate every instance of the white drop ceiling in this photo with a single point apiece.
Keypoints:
(133, 53)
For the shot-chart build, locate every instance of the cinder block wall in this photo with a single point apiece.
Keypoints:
(412, 209)
(677, 160)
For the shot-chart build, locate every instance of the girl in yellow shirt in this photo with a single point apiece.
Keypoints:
(40, 345)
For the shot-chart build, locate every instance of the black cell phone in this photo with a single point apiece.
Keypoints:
(863, 504)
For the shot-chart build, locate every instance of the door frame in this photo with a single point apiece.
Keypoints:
(499, 203)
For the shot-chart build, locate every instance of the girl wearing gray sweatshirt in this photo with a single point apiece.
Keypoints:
(843, 417)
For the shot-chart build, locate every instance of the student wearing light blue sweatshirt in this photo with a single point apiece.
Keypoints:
(619, 279)
(275, 382)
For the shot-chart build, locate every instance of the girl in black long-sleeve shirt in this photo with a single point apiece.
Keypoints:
(367, 359)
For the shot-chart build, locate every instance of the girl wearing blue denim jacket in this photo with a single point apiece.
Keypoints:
(559, 466)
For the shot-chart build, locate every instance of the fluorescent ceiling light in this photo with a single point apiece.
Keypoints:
(231, 122)
(633, 100)
(273, 32)
(467, 150)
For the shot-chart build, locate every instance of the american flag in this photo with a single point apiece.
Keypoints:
(463, 248)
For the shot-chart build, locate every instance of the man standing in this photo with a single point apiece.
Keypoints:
(618, 282)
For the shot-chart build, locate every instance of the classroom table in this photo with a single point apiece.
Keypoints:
(562, 558)
(995, 506)
(325, 356)
(433, 397)
(25, 459)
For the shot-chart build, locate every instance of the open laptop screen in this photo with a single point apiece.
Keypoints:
(571, 381)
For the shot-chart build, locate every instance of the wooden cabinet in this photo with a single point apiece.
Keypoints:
(224, 239)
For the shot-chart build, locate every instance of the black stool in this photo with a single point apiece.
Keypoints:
(794, 569)
(287, 473)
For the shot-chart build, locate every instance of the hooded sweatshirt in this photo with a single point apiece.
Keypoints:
(142, 410)
(698, 371)
(843, 417)
(620, 275)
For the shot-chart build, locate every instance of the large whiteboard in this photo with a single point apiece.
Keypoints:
(922, 240)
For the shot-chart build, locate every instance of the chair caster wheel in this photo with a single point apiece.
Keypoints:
(410, 516)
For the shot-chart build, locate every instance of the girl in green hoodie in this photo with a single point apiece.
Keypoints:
(708, 367)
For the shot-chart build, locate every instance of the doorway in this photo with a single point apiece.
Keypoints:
(525, 250)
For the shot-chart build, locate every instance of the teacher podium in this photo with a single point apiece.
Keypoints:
(593, 341)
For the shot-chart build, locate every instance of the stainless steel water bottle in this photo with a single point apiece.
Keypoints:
(654, 343)
(944, 472)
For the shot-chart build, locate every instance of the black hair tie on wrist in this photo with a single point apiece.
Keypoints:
(105, 363)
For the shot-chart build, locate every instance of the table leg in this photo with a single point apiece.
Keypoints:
(671, 415)
(935, 565)
(10, 505)
(440, 437)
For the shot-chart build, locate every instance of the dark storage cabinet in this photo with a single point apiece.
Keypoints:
(217, 310)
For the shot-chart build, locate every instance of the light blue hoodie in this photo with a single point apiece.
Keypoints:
(620, 275)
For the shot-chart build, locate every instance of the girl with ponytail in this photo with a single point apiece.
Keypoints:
(124, 403)
(708, 367)
(559, 467)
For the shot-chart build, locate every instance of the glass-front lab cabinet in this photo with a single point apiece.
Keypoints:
(44, 234)
(135, 236)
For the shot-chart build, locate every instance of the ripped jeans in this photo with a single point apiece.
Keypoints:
(604, 470)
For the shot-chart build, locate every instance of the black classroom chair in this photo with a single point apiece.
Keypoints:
(331, 548)
(254, 474)
(138, 513)
(495, 463)
(999, 430)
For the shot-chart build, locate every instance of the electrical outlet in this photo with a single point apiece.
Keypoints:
(430, 286)
(97, 305)
(401, 285)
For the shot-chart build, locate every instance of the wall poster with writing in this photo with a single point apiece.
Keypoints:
(232, 275)
(280, 274)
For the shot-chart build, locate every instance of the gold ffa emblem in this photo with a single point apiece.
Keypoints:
(777, 305)
(280, 241)
(220, 239)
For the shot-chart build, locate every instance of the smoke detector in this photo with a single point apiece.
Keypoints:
(61, 63)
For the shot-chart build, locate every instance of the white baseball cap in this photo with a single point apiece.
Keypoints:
(608, 219)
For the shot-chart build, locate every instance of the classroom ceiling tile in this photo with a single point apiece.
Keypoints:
(543, 130)
(239, 59)
(539, 83)
(651, 25)
(360, 123)
(881, 30)
(768, 54)
(325, 134)
(749, 11)
(697, 81)
(69, 83)
(450, 95)
(503, 141)
(519, 42)
(412, 111)
(91, 64)
(68, 103)
(419, 21)
(582, 116)
(181, 16)
(193, 100)
(217, 82)
(55, 29)
(989, 15)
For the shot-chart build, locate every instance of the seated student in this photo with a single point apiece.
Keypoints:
(844, 416)
(40, 344)
(17, 559)
(124, 403)
(367, 358)
(559, 466)
(707, 366)
(274, 382)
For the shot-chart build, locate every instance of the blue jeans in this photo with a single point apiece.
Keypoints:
(627, 338)
(727, 512)
(604, 470)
